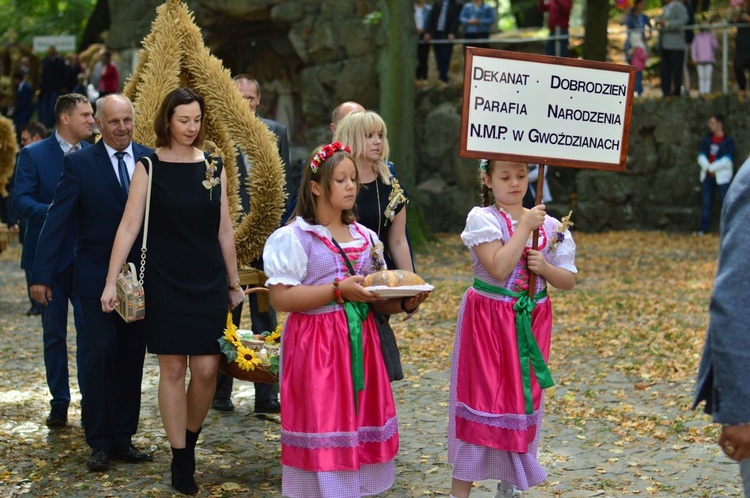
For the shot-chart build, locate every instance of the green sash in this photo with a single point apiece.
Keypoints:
(528, 349)
(356, 313)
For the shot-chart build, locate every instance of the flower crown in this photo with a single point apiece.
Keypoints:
(325, 152)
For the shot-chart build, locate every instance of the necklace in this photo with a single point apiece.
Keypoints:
(377, 194)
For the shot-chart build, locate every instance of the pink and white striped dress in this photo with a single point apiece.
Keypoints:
(329, 446)
(493, 430)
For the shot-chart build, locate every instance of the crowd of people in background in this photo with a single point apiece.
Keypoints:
(686, 53)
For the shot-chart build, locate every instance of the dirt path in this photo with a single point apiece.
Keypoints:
(601, 434)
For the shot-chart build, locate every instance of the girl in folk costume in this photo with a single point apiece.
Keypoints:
(503, 336)
(339, 432)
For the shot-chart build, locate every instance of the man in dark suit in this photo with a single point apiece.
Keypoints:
(23, 106)
(51, 85)
(31, 132)
(443, 25)
(92, 194)
(37, 173)
(266, 397)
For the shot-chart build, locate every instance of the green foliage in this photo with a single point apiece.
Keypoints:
(228, 349)
(373, 17)
(29, 18)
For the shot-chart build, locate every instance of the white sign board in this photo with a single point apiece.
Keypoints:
(548, 110)
(63, 43)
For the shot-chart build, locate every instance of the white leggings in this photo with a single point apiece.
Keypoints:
(704, 77)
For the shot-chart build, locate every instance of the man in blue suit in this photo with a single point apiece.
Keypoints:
(37, 173)
(92, 194)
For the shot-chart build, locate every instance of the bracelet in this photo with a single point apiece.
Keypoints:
(403, 306)
(236, 286)
(337, 291)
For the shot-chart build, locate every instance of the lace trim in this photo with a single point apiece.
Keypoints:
(341, 439)
(508, 421)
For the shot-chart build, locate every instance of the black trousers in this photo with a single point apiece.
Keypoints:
(112, 374)
(443, 52)
(423, 52)
(671, 71)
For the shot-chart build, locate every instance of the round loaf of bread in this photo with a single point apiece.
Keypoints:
(392, 278)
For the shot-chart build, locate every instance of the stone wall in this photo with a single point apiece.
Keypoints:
(660, 188)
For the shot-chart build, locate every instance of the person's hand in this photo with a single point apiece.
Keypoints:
(109, 298)
(14, 230)
(42, 294)
(451, 37)
(535, 262)
(426, 37)
(235, 298)
(533, 218)
(735, 441)
(413, 303)
(352, 290)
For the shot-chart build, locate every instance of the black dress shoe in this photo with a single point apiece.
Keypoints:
(33, 311)
(270, 406)
(223, 405)
(58, 417)
(130, 454)
(99, 460)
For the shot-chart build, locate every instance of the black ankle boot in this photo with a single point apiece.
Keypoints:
(191, 439)
(182, 476)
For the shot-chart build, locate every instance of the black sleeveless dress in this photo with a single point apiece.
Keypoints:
(185, 280)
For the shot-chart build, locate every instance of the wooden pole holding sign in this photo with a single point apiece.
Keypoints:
(548, 110)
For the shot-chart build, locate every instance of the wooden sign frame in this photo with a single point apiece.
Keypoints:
(538, 91)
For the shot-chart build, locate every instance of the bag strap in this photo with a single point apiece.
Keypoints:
(145, 220)
(343, 254)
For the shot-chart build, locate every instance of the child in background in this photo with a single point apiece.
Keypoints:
(496, 401)
(339, 432)
(702, 51)
(638, 54)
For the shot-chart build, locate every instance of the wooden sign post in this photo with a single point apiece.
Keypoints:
(546, 110)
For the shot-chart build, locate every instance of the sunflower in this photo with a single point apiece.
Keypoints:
(246, 358)
(275, 336)
(230, 332)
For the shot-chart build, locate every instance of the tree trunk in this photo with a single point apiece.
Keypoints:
(398, 63)
(596, 19)
(96, 25)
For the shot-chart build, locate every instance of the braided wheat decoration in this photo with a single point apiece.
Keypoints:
(174, 55)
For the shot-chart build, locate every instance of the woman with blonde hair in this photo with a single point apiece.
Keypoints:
(381, 207)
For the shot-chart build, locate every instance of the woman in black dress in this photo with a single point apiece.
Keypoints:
(190, 262)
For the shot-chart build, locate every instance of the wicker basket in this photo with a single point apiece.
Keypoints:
(260, 374)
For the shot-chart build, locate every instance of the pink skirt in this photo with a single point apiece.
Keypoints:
(490, 436)
(326, 442)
